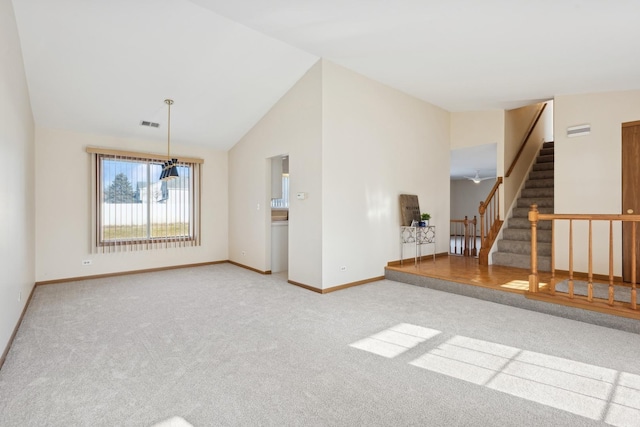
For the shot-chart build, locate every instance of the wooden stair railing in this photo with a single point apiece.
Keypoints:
(534, 282)
(525, 140)
(464, 236)
(490, 222)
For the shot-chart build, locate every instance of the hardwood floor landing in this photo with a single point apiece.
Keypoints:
(466, 270)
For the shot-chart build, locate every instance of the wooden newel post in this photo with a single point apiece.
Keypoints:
(533, 277)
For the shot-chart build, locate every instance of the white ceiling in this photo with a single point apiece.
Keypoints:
(102, 66)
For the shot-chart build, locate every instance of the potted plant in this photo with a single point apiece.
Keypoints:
(425, 217)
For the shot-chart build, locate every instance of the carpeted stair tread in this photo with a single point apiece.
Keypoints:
(524, 234)
(545, 202)
(546, 151)
(543, 166)
(543, 174)
(524, 212)
(539, 183)
(545, 159)
(547, 145)
(523, 223)
(535, 192)
(521, 261)
(523, 247)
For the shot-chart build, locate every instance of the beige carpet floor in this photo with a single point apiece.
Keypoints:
(223, 346)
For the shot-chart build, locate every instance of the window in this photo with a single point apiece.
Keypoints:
(134, 210)
(284, 201)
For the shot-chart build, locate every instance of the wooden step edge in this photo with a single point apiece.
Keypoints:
(454, 279)
(622, 309)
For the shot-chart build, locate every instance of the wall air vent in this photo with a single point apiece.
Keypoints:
(149, 124)
(578, 130)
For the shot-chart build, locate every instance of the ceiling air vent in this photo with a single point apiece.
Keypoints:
(149, 124)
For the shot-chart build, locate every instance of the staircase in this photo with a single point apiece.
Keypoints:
(514, 250)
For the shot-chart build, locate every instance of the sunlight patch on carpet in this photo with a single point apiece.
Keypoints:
(395, 340)
(173, 422)
(583, 389)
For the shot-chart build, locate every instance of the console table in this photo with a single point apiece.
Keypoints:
(417, 236)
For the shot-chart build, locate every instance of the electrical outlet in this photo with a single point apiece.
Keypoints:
(343, 268)
(86, 262)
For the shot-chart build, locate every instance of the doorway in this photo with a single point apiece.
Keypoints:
(280, 214)
(630, 197)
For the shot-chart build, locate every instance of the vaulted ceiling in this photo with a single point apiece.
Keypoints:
(103, 66)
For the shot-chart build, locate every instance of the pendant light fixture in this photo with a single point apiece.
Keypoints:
(169, 168)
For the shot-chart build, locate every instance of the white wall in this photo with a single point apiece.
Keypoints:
(17, 151)
(63, 207)
(378, 143)
(588, 169)
(354, 146)
(293, 127)
(472, 128)
(466, 197)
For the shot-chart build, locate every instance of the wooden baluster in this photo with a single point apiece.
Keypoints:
(590, 284)
(465, 249)
(483, 255)
(570, 258)
(494, 215)
(498, 203)
(455, 240)
(452, 237)
(475, 237)
(493, 211)
(533, 277)
(611, 291)
(490, 220)
(493, 220)
(633, 267)
(481, 211)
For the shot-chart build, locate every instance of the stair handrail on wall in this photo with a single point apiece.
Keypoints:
(613, 282)
(490, 222)
(525, 139)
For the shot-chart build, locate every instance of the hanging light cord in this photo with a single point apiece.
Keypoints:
(169, 169)
(169, 102)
